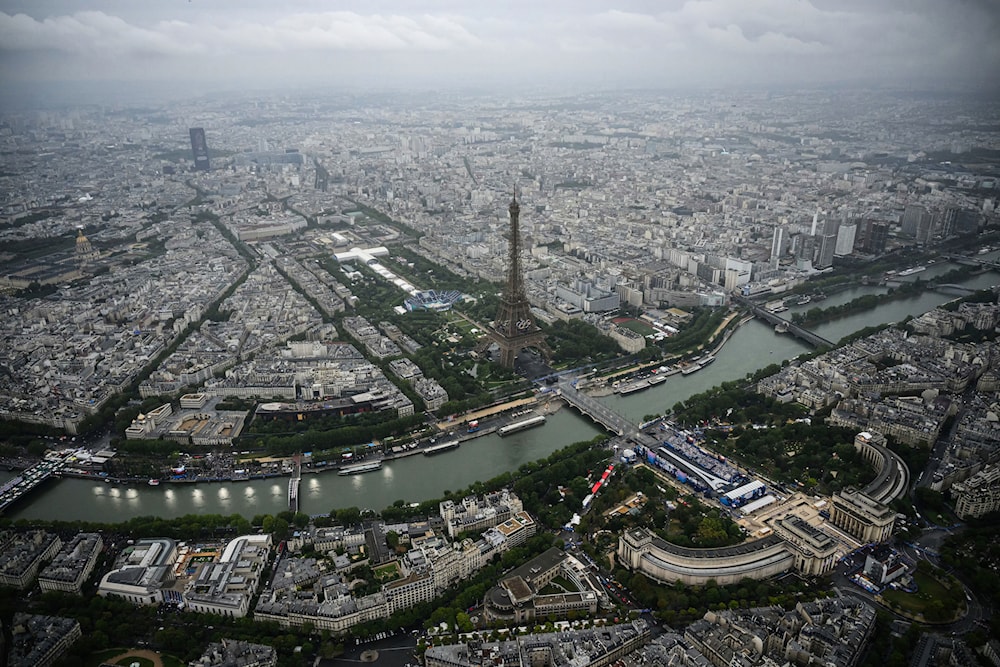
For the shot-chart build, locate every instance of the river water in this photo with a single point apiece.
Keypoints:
(417, 478)
(412, 479)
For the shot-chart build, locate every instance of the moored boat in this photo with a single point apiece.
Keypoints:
(443, 447)
(521, 425)
(357, 469)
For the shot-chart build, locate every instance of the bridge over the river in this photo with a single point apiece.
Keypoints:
(971, 261)
(594, 409)
(802, 333)
(293, 486)
(22, 484)
(949, 288)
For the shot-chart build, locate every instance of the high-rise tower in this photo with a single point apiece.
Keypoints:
(199, 148)
(514, 328)
(779, 241)
(827, 243)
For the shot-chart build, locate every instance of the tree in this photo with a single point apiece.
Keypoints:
(347, 516)
(392, 539)
(930, 499)
(464, 622)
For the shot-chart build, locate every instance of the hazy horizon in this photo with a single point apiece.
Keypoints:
(199, 45)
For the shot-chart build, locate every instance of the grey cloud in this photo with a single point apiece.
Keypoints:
(100, 32)
(86, 32)
(629, 41)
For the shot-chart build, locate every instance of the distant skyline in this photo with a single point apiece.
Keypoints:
(602, 44)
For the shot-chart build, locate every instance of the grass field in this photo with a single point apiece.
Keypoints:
(459, 323)
(933, 599)
(637, 326)
(566, 584)
(387, 572)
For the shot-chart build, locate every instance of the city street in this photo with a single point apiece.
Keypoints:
(395, 651)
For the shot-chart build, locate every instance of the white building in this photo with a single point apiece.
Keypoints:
(226, 587)
(144, 570)
(845, 239)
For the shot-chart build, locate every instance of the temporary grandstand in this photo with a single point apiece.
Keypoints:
(433, 300)
(369, 256)
(417, 299)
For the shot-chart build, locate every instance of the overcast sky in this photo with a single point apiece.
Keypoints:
(428, 43)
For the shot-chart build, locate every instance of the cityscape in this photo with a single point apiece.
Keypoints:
(431, 371)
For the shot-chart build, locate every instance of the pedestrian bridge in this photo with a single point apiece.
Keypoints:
(293, 486)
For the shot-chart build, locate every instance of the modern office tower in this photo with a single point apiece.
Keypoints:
(925, 227)
(806, 247)
(514, 327)
(779, 241)
(199, 148)
(910, 221)
(954, 220)
(948, 221)
(846, 236)
(827, 243)
(322, 181)
(874, 237)
(794, 244)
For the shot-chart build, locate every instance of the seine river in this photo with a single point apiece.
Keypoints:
(418, 478)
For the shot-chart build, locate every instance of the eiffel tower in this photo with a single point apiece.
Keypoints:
(514, 329)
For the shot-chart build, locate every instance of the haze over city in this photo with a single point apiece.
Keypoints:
(205, 44)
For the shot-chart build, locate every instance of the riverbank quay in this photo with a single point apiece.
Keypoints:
(486, 413)
(604, 386)
(107, 479)
(247, 467)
